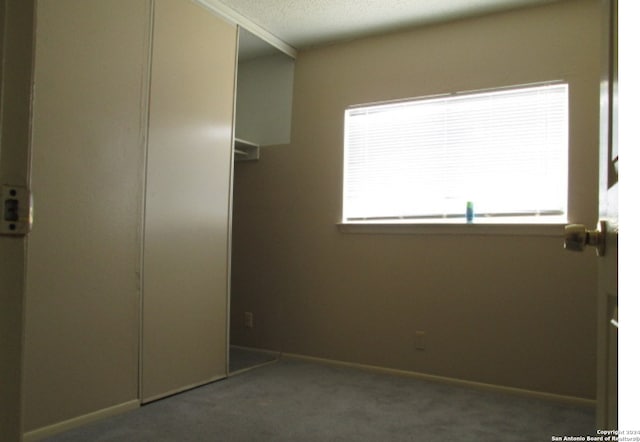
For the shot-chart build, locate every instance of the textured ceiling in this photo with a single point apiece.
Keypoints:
(304, 23)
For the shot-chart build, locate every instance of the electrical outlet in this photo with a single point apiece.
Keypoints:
(419, 340)
(248, 319)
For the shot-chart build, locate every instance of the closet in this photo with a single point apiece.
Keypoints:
(186, 230)
(82, 300)
(132, 151)
(132, 155)
(264, 95)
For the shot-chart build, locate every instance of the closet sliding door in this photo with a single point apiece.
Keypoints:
(186, 240)
(81, 334)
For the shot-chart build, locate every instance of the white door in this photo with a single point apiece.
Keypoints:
(186, 239)
(605, 237)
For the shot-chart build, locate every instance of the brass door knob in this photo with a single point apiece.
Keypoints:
(577, 237)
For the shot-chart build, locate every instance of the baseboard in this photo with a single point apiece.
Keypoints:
(275, 354)
(253, 367)
(51, 430)
(570, 400)
(166, 394)
(260, 350)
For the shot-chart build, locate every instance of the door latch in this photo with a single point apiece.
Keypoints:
(17, 210)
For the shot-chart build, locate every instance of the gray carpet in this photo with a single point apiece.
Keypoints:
(304, 402)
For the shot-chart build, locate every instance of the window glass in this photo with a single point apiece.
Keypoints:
(505, 151)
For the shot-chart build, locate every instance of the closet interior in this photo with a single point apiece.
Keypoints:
(264, 90)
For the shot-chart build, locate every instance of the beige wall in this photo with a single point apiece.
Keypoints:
(513, 310)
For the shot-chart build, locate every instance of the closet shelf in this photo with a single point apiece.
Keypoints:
(245, 150)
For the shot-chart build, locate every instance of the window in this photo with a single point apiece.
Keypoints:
(422, 160)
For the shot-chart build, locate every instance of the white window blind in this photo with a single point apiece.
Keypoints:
(504, 150)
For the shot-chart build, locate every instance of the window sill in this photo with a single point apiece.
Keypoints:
(486, 229)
